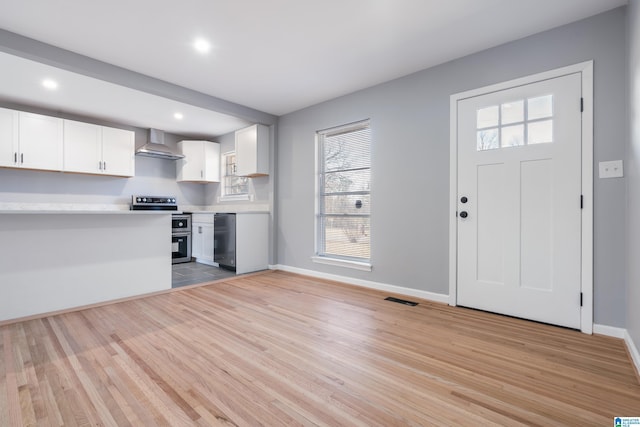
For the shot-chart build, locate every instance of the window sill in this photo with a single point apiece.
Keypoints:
(356, 265)
(234, 198)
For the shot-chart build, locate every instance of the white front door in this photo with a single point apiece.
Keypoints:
(519, 201)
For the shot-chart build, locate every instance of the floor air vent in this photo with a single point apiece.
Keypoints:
(401, 301)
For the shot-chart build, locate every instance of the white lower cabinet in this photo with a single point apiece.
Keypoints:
(202, 238)
(252, 242)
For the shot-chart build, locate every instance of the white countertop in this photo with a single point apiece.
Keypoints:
(101, 209)
(81, 212)
(229, 211)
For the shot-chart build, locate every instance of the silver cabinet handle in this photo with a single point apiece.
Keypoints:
(199, 229)
(15, 158)
(21, 158)
(104, 166)
(100, 165)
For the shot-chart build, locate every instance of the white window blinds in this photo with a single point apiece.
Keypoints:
(344, 193)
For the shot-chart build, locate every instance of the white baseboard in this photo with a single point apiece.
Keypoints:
(609, 331)
(633, 351)
(430, 296)
(621, 333)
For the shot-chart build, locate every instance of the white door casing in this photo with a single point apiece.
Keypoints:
(525, 246)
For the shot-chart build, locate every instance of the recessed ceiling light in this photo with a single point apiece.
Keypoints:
(178, 116)
(201, 45)
(50, 84)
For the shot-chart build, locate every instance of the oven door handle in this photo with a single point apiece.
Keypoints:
(180, 234)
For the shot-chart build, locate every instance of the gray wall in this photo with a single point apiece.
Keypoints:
(410, 193)
(153, 177)
(633, 175)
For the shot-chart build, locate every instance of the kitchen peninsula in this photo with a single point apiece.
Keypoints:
(54, 260)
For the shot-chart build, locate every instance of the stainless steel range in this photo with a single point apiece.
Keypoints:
(180, 224)
(153, 203)
(180, 238)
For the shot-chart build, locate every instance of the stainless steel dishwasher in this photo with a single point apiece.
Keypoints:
(224, 240)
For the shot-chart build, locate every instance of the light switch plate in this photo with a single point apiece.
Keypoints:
(612, 169)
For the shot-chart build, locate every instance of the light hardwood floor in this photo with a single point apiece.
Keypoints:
(281, 349)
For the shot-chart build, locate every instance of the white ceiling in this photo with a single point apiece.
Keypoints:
(277, 56)
(87, 96)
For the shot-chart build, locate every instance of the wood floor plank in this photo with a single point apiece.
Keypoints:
(283, 349)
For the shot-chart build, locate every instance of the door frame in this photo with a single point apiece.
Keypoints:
(586, 71)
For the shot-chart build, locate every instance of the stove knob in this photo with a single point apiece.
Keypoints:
(173, 200)
(144, 199)
(138, 199)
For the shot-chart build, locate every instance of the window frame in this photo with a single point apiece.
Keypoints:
(363, 264)
(223, 195)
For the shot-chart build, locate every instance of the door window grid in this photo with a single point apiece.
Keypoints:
(344, 179)
(515, 123)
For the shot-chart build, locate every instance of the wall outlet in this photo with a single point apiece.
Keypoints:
(612, 169)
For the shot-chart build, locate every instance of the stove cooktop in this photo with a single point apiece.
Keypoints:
(153, 203)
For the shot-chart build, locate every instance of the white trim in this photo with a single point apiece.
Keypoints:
(587, 192)
(633, 351)
(610, 331)
(356, 265)
(453, 201)
(234, 197)
(430, 296)
(586, 70)
(317, 235)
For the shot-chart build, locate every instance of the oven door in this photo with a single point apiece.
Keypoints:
(180, 247)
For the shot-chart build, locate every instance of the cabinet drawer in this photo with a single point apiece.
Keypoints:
(202, 218)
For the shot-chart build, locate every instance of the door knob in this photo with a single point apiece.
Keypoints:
(464, 214)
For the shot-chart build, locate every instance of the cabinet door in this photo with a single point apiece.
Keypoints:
(8, 137)
(82, 147)
(212, 161)
(196, 241)
(252, 242)
(118, 151)
(191, 168)
(41, 142)
(207, 242)
(252, 151)
(246, 153)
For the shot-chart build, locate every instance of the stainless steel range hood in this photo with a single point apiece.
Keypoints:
(155, 147)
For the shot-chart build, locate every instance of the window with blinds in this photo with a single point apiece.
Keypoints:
(344, 193)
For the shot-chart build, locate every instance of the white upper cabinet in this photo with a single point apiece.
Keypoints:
(118, 152)
(252, 151)
(40, 142)
(30, 141)
(82, 147)
(8, 137)
(34, 141)
(94, 149)
(201, 162)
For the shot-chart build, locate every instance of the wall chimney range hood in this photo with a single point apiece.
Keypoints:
(155, 147)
